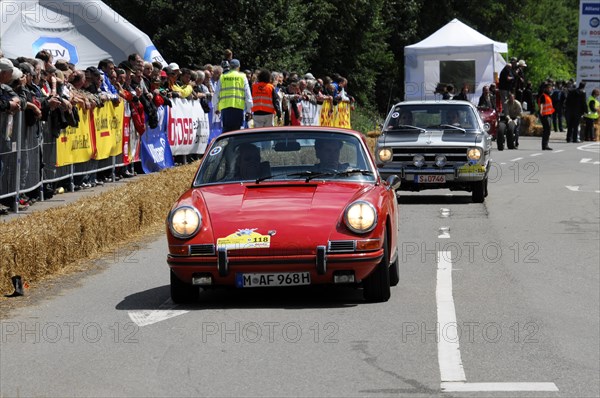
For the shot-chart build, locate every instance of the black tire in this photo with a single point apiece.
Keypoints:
(376, 287)
(500, 136)
(181, 292)
(510, 138)
(479, 191)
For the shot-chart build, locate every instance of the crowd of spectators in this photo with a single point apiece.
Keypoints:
(49, 90)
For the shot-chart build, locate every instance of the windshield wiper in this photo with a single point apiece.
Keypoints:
(354, 171)
(269, 177)
(406, 127)
(312, 174)
(448, 126)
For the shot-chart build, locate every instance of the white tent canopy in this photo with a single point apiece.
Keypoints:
(81, 32)
(455, 54)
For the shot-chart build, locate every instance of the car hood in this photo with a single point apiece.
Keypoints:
(430, 138)
(293, 212)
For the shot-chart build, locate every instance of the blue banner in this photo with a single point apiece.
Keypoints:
(155, 151)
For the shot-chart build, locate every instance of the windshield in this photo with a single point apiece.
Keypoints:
(285, 155)
(407, 118)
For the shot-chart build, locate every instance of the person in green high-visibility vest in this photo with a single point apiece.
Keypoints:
(591, 116)
(233, 98)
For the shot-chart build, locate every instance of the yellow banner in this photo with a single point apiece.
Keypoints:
(326, 116)
(108, 121)
(74, 145)
(342, 115)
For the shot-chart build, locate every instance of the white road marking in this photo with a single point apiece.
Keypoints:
(575, 188)
(559, 151)
(473, 387)
(516, 159)
(593, 147)
(444, 233)
(502, 163)
(588, 160)
(148, 317)
(444, 213)
(535, 154)
(452, 372)
(451, 368)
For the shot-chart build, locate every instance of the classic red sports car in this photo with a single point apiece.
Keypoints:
(285, 207)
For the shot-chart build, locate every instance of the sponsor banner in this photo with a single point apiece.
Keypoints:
(588, 51)
(310, 113)
(188, 127)
(342, 115)
(108, 124)
(75, 144)
(155, 151)
(326, 117)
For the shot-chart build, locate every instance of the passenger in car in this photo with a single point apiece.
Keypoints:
(247, 164)
(453, 118)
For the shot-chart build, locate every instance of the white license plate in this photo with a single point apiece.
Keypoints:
(272, 279)
(430, 179)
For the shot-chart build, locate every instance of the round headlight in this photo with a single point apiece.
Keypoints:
(361, 217)
(440, 160)
(385, 154)
(419, 160)
(185, 222)
(474, 154)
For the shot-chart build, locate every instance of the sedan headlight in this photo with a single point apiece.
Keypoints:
(385, 154)
(474, 154)
(185, 222)
(361, 217)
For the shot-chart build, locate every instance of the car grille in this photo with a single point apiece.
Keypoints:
(341, 246)
(202, 250)
(452, 154)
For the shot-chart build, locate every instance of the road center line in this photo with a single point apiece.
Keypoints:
(452, 372)
(451, 368)
(516, 159)
(535, 154)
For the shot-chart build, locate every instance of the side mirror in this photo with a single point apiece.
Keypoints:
(393, 182)
(486, 127)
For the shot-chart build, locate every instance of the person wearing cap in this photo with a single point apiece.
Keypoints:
(233, 97)
(520, 80)
(177, 90)
(9, 100)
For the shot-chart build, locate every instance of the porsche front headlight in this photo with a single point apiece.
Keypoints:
(185, 222)
(474, 154)
(361, 217)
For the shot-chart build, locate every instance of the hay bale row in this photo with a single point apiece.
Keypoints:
(53, 241)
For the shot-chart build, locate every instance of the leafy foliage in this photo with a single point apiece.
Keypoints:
(362, 40)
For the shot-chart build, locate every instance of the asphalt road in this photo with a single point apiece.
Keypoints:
(501, 299)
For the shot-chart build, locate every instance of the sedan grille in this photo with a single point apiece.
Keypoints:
(341, 246)
(202, 250)
(451, 154)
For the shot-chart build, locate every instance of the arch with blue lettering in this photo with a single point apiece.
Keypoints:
(59, 48)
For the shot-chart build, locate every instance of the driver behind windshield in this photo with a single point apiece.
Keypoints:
(328, 153)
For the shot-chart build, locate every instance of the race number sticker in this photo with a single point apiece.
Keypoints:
(244, 239)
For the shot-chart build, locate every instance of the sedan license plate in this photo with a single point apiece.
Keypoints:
(430, 179)
(272, 279)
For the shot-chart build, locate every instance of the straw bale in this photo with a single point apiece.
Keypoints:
(52, 242)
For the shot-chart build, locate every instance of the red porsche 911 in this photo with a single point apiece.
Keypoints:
(285, 207)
